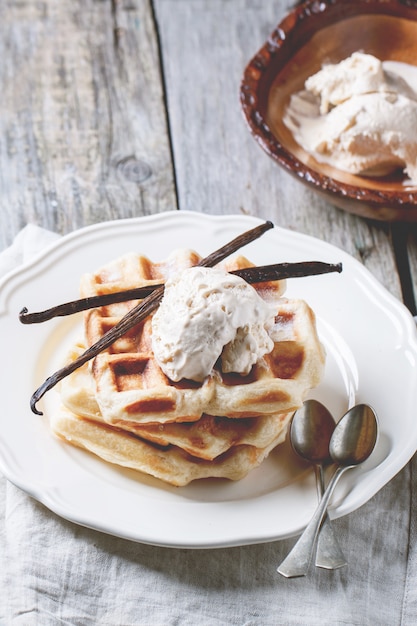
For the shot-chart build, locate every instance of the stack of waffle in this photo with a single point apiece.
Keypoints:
(124, 409)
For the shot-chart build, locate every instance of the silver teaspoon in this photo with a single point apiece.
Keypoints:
(352, 442)
(310, 432)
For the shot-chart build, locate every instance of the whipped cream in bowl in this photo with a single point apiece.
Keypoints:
(360, 116)
(305, 42)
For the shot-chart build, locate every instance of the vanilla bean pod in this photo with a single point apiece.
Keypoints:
(84, 304)
(281, 271)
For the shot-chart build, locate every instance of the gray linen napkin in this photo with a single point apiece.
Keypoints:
(55, 572)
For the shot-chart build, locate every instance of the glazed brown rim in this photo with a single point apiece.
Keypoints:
(291, 34)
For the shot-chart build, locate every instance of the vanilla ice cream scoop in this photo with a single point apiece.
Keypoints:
(207, 313)
(359, 115)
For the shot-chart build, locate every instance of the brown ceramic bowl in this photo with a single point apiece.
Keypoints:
(314, 33)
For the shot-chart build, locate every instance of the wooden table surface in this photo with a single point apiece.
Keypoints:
(119, 108)
(123, 108)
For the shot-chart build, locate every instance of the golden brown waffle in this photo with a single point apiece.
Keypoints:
(170, 464)
(130, 386)
(207, 438)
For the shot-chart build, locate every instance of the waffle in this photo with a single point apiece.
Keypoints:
(207, 438)
(170, 464)
(130, 386)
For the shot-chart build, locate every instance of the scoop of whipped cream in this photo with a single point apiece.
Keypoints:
(359, 115)
(207, 313)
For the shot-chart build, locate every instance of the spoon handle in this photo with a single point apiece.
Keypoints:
(298, 560)
(329, 554)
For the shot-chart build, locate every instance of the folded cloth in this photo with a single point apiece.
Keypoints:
(27, 244)
(55, 572)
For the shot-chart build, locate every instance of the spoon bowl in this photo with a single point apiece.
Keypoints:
(311, 430)
(355, 436)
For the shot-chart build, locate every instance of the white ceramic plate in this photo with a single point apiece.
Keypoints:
(371, 346)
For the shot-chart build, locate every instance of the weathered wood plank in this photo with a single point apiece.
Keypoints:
(219, 167)
(83, 134)
(409, 254)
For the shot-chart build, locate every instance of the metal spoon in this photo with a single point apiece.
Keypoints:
(311, 429)
(352, 442)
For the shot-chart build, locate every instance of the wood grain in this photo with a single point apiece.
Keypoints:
(82, 120)
(85, 135)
